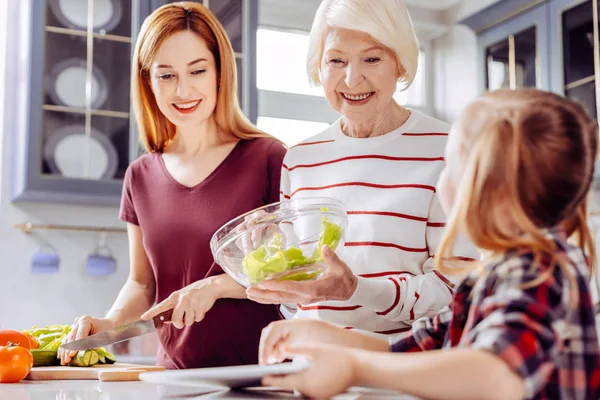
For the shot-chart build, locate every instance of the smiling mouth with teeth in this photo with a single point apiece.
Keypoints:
(357, 97)
(186, 106)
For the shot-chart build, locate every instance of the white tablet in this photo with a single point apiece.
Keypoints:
(224, 377)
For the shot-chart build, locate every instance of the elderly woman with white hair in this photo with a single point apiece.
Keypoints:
(383, 162)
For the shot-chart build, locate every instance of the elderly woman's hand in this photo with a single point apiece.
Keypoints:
(337, 283)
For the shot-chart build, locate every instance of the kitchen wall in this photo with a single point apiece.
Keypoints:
(455, 71)
(27, 299)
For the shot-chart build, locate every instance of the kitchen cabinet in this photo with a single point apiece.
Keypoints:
(548, 44)
(566, 57)
(512, 54)
(574, 55)
(68, 111)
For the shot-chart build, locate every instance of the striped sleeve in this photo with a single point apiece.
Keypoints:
(287, 310)
(406, 298)
(284, 189)
(463, 248)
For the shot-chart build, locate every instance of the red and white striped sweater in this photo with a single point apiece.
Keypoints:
(395, 221)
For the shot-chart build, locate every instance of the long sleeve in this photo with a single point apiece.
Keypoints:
(426, 334)
(285, 190)
(408, 297)
(287, 310)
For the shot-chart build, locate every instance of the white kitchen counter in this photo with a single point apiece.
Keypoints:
(96, 390)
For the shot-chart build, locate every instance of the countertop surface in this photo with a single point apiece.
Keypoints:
(96, 390)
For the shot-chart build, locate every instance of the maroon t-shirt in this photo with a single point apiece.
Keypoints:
(177, 223)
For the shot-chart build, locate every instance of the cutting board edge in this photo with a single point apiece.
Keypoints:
(83, 373)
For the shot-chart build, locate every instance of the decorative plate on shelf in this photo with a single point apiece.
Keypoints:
(74, 13)
(66, 153)
(66, 81)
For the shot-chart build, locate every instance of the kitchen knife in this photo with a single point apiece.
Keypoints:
(119, 334)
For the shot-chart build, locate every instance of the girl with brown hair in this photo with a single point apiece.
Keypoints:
(205, 164)
(519, 165)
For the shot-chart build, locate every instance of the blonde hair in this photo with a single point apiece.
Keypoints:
(156, 131)
(530, 157)
(386, 21)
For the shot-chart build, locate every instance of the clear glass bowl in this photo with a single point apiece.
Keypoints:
(280, 241)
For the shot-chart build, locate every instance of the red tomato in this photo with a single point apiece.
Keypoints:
(33, 343)
(15, 363)
(9, 336)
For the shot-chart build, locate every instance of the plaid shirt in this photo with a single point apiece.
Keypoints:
(551, 345)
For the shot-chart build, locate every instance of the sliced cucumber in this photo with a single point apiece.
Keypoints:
(93, 358)
(82, 359)
(110, 359)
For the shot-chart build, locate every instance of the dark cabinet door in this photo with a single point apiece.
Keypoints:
(574, 66)
(69, 112)
(511, 55)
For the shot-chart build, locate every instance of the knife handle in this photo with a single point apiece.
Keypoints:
(163, 317)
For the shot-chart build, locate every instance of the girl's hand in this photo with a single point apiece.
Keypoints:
(279, 335)
(337, 283)
(332, 371)
(189, 304)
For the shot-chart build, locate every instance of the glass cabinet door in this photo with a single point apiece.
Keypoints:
(69, 65)
(68, 78)
(229, 13)
(574, 59)
(578, 55)
(511, 62)
(511, 53)
(85, 124)
(497, 65)
(526, 66)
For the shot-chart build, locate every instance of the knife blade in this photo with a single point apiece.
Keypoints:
(119, 333)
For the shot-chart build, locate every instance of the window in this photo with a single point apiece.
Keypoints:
(281, 62)
(281, 67)
(414, 96)
(290, 131)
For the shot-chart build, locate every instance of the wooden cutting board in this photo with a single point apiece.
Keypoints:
(104, 372)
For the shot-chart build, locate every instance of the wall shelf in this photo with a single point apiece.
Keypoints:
(75, 32)
(29, 227)
(78, 110)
